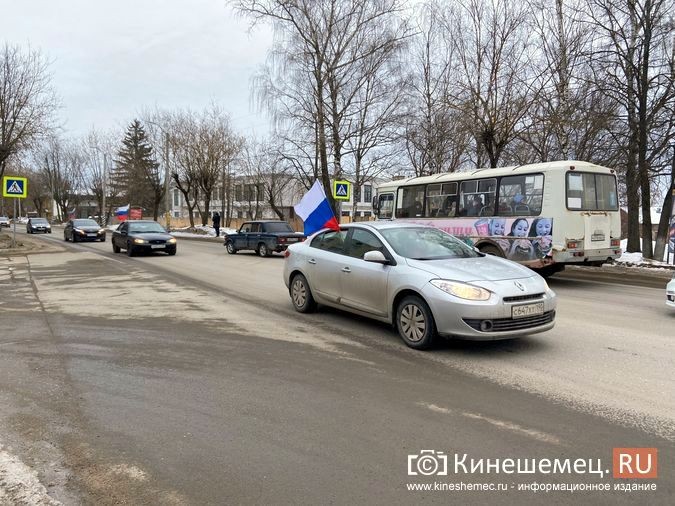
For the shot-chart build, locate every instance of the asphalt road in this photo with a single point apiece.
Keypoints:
(191, 380)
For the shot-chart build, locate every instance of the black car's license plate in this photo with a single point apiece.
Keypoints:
(292, 239)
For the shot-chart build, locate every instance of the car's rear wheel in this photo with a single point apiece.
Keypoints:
(116, 248)
(130, 250)
(301, 295)
(262, 250)
(415, 323)
(230, 248)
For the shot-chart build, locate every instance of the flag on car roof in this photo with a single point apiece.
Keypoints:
(315, 211)
(122, 213)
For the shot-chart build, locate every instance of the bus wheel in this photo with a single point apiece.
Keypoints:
(488, 249)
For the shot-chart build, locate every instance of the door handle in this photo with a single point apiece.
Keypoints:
(311, 261)
(346, 269)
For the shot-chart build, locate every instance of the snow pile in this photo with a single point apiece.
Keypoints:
(636, 259)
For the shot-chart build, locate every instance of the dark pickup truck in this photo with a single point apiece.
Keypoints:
(262, 236)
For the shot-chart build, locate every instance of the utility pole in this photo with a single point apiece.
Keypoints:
(167, 199)
(104, 213)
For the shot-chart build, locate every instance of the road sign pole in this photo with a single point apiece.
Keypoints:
(14, 235)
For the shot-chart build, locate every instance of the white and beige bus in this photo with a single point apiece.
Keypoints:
(544, 215)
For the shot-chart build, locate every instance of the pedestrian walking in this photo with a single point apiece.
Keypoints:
(216, 223)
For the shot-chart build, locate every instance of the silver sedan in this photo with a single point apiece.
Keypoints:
(423, 280)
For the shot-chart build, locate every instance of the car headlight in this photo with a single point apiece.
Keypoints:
(461, 290)
(78, 231)
(49, 226)
(101, 231)
(139, 241)
(172, 240)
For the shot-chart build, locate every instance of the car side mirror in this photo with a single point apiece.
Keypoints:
(376, 257)
(123, 232)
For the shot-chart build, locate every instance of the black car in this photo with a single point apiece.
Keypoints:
(83, 230)
(38, 225)
(263, 237)
(142, 235)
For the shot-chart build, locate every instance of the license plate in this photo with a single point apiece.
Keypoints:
(598, 237)
(527, 310)
(91, 235)
(292, 239)
(157, 246)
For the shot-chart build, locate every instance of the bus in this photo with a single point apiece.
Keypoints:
(544, 215)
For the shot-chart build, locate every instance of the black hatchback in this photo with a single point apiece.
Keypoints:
(142, 235)
(83, 230)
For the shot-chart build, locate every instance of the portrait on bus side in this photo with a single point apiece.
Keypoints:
(542, 232)
(521, 249)
(497, 226)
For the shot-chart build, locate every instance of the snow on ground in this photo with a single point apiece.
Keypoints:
(203, 231)
(636, 259)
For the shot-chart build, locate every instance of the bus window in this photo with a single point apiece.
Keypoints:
(385, 206)
(441, 200)
(410, 202)
(591, 192)
(520, 195)
(477, 198)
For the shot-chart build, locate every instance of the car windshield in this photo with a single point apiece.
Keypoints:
(148, 226)
(38, 221)
(425, 243)
(278, 227)
(84, 223)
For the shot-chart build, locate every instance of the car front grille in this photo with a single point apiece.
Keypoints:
(510, 324)
(157, 241)
(520, 298)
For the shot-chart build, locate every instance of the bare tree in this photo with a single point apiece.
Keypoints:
(637, 54)
(61, 165)
(571, 118)
(27, 101)
(98, 151)
(317, 68)
(495, 84)
(434, 136)
(263, 165)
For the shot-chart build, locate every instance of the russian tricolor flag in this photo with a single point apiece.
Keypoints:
(122, 213)
(315, 211)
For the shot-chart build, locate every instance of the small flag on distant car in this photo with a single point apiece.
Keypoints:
(122, 213)
(315, 211)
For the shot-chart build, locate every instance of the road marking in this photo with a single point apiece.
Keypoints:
(532, 433)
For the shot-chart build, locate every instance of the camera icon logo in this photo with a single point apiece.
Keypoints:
(428, 463)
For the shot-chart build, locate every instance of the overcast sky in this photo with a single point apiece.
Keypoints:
(111, 59)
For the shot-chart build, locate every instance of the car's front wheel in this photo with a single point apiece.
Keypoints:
(230, 248)
(415, 323)
(130, 250)
(116, 248)
(301, 295)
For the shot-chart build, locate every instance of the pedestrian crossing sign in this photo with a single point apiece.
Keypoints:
(13, 186)
(342, 190)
